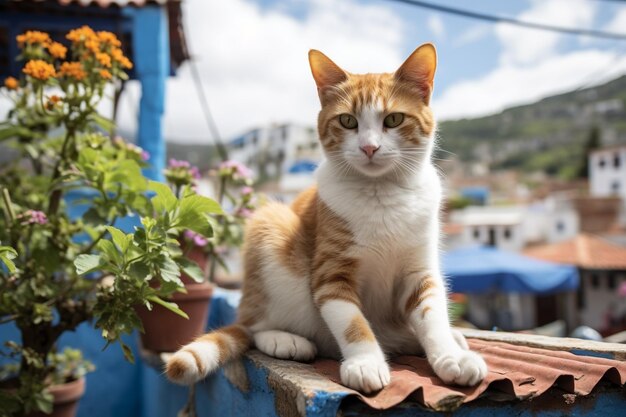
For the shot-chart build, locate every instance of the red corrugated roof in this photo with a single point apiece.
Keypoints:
(520, 372)
(585, 251)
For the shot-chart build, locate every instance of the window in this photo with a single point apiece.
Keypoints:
(612, 280)
(617, 161)
(507, 233)
(560, 226)
(615, 186)
(476, 233)
(601, 163)
(595, 281)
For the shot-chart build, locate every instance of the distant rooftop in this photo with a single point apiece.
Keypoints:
(490, 215)
(584, 251)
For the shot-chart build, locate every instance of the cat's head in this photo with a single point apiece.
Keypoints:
(376, 124)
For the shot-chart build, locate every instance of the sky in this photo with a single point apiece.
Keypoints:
(252, 57)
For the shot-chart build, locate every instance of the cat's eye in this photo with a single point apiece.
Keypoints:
(348, 121)
(393, 120)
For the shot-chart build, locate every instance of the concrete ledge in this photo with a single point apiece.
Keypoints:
(578, 346)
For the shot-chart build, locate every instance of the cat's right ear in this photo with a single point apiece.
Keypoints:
(325, 72)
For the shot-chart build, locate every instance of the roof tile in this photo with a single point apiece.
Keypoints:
(584, 251)
(517, 371)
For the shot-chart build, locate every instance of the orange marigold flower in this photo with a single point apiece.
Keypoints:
(93, 45)
(118, 56)
(11, 83)
(105, 74)
(74, 70)
(109, 38)
(104, 59)
(57, 50)
(39, 69)
(31, 37)
(81, 34)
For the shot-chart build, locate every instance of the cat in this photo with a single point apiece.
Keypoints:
(351, 269)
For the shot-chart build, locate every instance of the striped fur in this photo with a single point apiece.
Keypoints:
(351, 269)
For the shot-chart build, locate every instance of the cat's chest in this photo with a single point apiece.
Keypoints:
(382, 216)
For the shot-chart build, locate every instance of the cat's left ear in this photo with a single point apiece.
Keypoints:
(419, 69)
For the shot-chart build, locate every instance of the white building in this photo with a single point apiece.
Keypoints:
(607, 172)
(515, 227)
(280, 152)
(501, 227)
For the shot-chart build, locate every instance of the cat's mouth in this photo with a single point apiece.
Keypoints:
(374, 167)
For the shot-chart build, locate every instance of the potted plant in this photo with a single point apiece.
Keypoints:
(164, 332)
(58, 270)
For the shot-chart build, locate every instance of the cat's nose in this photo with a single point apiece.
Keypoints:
(370, 150)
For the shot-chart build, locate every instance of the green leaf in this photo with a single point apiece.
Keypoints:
(192, 269)
(164, 198)
(108, 248)
(193, 214)
(139, 271)
(119, 238)
(87, 263)
(127, 172)
(169, 270)
(173, 307)
(128, 353)
(7, 254)
(106, 124)
(44, 402)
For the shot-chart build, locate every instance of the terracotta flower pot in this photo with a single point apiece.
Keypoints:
(165, 331)
(66, 397)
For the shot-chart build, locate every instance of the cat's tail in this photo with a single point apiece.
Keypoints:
(204, 355)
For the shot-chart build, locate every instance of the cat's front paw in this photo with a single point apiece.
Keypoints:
(461, 367)
(365, 373)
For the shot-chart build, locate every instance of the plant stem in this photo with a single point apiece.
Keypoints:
(8, 205)
(55, 196)
(220, 199)
(97, 239)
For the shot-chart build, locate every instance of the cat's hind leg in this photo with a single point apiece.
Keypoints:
(284, 345)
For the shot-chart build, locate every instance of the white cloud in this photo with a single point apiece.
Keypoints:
(436, 26)
(618, 23)
(531, 66)
(511, 85)
(527, 46)
(254, 62)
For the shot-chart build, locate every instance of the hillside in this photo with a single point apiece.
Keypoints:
(548, 135)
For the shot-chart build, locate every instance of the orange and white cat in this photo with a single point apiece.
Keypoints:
(351, 269)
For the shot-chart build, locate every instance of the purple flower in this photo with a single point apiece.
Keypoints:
(195, 173)
(195, 238)
(34, 217)
(246, 190)
(244, 212)
(145, 155)
(176, 163)
(240, 169)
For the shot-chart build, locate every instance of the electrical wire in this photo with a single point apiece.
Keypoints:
(513, 21)
(206, 110)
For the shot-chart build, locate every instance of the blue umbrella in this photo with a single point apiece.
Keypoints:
(486, 269)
